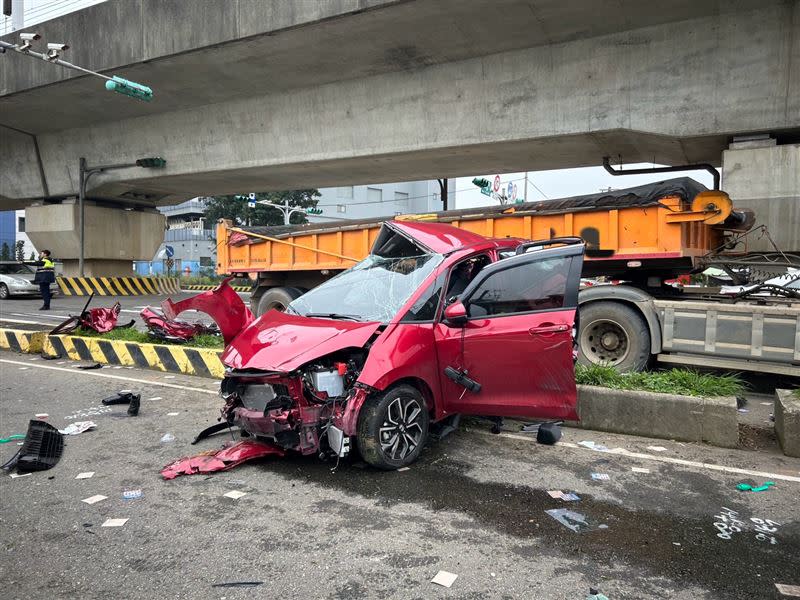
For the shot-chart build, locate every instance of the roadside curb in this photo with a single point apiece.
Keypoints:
(207, 287)
(18, 340)
(186, 360)
(666, 416)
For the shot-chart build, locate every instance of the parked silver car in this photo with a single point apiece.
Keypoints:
(16, 279)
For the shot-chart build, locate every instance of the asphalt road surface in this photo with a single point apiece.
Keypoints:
(25, 310)
(474, 505)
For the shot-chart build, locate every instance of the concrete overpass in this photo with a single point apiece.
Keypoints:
(255, 95)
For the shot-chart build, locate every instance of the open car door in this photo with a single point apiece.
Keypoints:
(513, 336)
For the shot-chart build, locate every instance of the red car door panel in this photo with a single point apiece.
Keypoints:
(517, 343)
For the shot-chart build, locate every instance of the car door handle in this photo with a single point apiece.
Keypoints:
(548, 328)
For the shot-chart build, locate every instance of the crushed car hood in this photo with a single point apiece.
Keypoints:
(279, 341)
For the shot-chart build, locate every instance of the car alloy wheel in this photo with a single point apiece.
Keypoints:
(402, 431)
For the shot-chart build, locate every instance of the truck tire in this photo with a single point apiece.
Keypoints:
(277, 298)
(393, 428)
(614, 334)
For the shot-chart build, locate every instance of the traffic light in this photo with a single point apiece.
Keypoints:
(313, 211)
(155, 162)
(481, 182)
(129, 88)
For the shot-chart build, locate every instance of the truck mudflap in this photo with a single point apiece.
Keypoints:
(222, 304)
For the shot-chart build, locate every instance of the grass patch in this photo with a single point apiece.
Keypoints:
(796, 393)
(131, 334)
(674, 381)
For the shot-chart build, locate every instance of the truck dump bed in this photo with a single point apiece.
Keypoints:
(652, 223)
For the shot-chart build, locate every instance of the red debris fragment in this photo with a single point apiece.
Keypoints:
(220, 460)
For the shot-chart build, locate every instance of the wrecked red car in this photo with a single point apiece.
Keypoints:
(435, 323)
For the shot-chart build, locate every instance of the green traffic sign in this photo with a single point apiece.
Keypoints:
(129, 88)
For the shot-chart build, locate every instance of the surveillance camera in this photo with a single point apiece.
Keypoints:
(30, 37)
(58, 47)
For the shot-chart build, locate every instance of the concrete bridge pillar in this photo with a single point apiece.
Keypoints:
(114, 237)
(760, 174)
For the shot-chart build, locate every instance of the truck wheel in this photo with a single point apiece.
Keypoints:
(613, 334)
(277, 298)
(393, 428)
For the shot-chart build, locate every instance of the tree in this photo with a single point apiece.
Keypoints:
(19, 250)
(32, 256)
(5, 253)
(236, 209)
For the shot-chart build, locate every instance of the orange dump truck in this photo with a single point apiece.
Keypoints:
(642, 236)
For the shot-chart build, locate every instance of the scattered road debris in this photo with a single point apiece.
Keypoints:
(114, 522)
(548, 434)
(173, 414)
(595, 595)
(746, 487)
(77, 427)
(94, 499)
(742, 410)
(234, 494)
(41, 415)
(657, 448)
(569, 518)
(155, 398)
(87, 367)
(12, 437)
(570, 497)
(444, 579)
(41, 449)
(640, 470)
(403, 469)
(131, 494)
(133, 407)
(17, 475)
(232, 584)
(793, 591)
(220, 460)
(211, 430)
(555, 493)
(85, 475)
(600, 476)
(168, 438)
(593, 446)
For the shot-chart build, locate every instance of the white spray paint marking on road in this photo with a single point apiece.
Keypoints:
(664, 459)
(118, 377)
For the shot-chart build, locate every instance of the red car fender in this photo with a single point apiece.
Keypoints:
(348, 420)
(222, 304)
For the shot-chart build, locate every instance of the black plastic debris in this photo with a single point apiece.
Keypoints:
(548, 433)
(87, 367)
(41, 449)
(123, 397)
(133, 407)
(232, 584)
(50, 356)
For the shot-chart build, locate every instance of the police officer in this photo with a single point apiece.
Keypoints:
(45, 275)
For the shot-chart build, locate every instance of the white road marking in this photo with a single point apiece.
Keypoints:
(119, 377)
(40, 316)
(664, 459)
(7, 320)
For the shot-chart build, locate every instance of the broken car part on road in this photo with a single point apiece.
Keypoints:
(41, 449)
(437, 321)
(101, 320)
(220, 460)
(163, 329)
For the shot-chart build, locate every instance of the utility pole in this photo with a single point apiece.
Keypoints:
(288, 211)
(443, 192)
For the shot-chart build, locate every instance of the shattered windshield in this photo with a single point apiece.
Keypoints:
(373, 290)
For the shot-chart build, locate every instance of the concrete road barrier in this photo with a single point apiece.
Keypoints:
(18, 340)
(118, 286)
(667, 416)
(162, 357)
(787, 421)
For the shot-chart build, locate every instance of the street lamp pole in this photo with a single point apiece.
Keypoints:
(286, 210)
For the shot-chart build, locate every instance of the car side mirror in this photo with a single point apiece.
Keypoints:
(455, 315)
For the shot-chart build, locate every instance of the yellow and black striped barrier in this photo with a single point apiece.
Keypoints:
(118, 286)
(204, 287)
(29, 342)
(204, 362)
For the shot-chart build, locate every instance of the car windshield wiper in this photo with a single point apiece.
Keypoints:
(334, 316)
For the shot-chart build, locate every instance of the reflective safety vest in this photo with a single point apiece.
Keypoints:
(45, 272)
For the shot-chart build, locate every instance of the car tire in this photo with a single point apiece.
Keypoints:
(277, 298)
(614, 334)
(393, 428)
(4, 293)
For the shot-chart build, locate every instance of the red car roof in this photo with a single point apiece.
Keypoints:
(439, 237)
